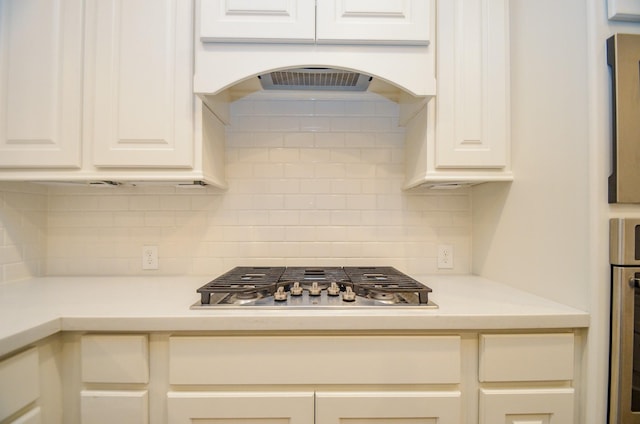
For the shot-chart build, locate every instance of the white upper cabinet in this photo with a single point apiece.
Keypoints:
(304, 21)
(40, 83)
(139, 94)
(373, 21)
(102, 90)
(462, 136)
(258, 20)
(473, 79)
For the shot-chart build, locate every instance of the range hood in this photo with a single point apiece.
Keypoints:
(226, 70)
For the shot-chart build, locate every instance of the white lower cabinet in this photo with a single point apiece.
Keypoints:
(530, 406)
(19, 384)
(109, 361)
(523, 364)
(391, 379)
(245, 407)
(114, 406)
(328, 378)
(402, 407)
(424, 407)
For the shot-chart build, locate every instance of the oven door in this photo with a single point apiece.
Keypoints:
(624, 385)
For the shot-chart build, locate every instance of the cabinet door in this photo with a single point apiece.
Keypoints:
(139, 72)
(533, 406)
(24, 368)
(111, 406)
(40, 83)
(258, 21)
(472, 130)
(245, 407)
(388, 407)
(373, 21)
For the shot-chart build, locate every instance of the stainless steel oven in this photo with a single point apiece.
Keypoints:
(624, 381)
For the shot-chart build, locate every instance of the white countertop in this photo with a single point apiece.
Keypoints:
(36, 308)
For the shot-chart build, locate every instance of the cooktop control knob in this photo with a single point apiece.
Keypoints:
(349, 295)
(333, 289)
(280, 294)
(314, 290)
(296, 289)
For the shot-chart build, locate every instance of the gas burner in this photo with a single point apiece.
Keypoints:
(314, 287)
(384, 297)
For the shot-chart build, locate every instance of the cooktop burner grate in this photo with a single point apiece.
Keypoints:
(314, 286)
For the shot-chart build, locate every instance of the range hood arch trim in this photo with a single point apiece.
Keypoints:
(220, 69)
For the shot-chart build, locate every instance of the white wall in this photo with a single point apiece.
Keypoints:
(533, 233)
(310, 182)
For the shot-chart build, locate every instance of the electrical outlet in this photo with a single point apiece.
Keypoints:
(149, 257)
(445, 256)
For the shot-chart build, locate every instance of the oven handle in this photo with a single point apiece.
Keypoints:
(634, 282)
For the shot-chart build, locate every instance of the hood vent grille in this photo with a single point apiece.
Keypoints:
(315, 79)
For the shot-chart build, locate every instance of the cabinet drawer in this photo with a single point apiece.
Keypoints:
(115, 359)
(315, 360)
(19, 382)
(526, 357)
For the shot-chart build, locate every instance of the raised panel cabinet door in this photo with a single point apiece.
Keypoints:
(241, 407)
(374, 21)
(388, 407)
(472, 129)
(114, 406)
(19, 382)
(40, 83)
(139, 83)
(530, 406)
(257, 21)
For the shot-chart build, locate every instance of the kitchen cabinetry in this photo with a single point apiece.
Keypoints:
(521, 361)
(20, 387)
(139, 100)
(327, 378)
(308, 21)
(120, 109)
(371, 364)
(114, 359)
(40, 83)
(462, 135)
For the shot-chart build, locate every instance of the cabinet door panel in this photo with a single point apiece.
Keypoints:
(139, 71)
(388, 407)
(533, 406)
(406, 359)
(526, 357)
(374, 21)
(473, 82)
(24, 368)
(258, 21)
(40, 83)
(242, 407)
(108, 407)
(115, 358)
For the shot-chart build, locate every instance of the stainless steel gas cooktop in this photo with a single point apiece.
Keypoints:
(314, 287)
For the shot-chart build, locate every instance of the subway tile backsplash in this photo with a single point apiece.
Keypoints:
(310, 182)
(23, 220)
